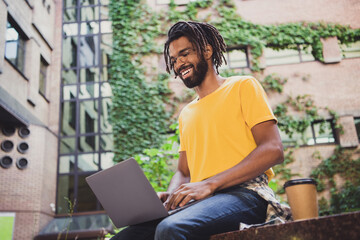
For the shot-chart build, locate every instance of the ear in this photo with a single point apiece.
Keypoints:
(208, 52)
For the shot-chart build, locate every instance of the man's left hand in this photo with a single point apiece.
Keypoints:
(188, 191)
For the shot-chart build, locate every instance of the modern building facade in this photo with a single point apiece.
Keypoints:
(55, 99)
(30, 49)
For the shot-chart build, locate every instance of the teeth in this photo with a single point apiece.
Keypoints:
(186, 72)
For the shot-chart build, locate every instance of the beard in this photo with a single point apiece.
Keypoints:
(198, 76)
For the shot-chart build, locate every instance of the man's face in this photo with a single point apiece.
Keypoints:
(186, 63)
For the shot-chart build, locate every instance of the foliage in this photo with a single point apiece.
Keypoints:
(281, 170)
(155, 162)
(238, 32)
(344, 198)
(139, 103)
(138, 113)
(139, 116)
(273, 82)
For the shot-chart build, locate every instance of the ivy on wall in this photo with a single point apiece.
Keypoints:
(139, 114)
(343, 163)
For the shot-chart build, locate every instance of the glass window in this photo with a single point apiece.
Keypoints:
(65, 193)
(66, 164)
(89, 13)
(283, 56)
(68, 118)
(88, 162)
(351, 50)
(86, 200)
(88, 143)
(88, 116)
(89, 75)
(357, 126)
(70, 14)
(86, 139)
(69, 3)
(88, 2)
(67, 145)
(235, 58)
(105, 124)
(89, 90)
(89, 28)
(70, 29)
(104, 74)
(69, 92)
(106, 90)
(15, 46)
(106, 27)
(69, 76)
(89, 52)
(43, 75)
(69, 46)
(107, 160)
(305, 53)
(107, 142)
(321, 132)
(104, 12)
(106, 48)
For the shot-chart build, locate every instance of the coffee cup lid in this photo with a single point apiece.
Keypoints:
(300, 181)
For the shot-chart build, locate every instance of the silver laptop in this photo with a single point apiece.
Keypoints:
(126, 194)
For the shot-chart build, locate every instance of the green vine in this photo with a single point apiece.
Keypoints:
(344, 198)
(139, 114)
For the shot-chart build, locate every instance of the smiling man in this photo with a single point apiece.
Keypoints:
(228, 143)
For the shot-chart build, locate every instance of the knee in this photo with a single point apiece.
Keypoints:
(168, 229)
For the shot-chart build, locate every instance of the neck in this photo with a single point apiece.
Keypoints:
(211, 82)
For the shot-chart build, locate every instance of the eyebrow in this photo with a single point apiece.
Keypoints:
(181, 51)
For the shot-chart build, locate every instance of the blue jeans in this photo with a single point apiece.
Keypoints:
(220, 213)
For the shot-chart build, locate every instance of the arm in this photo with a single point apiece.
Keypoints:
(269, 152)
(181, 176)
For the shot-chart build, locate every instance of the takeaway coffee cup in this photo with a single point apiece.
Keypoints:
(301, 194)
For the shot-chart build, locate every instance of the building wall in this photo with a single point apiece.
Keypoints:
(344, 12)
(30, 192)
(333, 84)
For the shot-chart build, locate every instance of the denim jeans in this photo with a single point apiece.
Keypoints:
(220, 213)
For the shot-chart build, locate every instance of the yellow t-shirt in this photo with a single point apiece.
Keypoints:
(215, 131)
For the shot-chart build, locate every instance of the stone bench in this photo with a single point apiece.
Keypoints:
(343, 226)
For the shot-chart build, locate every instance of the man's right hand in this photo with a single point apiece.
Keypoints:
(163, 196)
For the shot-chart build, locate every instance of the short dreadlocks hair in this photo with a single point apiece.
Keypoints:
(199, 34)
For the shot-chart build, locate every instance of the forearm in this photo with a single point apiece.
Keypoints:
(257, 162)
(178, 179)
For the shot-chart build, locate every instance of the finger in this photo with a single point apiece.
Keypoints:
(186, 200)
(178, 198)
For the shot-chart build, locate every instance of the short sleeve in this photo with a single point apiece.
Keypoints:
(254, 103)
(182, 147)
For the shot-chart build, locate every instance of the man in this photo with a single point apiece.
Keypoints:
(228, 143)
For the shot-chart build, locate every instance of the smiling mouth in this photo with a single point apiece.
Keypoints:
(185, 72)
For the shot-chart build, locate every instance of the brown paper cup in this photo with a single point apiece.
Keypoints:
(301, 194)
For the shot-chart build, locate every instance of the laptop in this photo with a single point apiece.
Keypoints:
(126, 194)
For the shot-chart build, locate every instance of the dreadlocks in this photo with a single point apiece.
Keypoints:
(199, 34)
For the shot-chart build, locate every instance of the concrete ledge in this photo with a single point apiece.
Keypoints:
(342, 226)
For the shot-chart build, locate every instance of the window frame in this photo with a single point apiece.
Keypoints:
(357, 119)
(314, 135)
(43, 74)
(300, 54)
(228, 60)
(20, 45)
